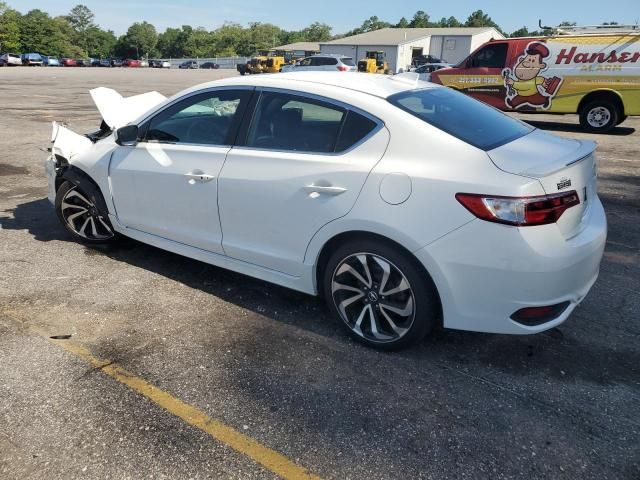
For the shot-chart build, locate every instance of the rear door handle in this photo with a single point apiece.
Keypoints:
(199, 177)
(325, 189)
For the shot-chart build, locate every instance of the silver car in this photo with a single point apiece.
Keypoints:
(324, 61)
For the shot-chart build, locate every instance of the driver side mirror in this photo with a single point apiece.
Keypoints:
(127, 136)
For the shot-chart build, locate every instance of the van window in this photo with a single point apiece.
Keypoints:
(493, 55)
(348, 61)
(461, 116)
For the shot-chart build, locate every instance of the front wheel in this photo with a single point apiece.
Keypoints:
(599, 116)
(380, 294)
(79, 212)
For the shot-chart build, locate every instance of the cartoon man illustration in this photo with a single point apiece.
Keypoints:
(524, 89)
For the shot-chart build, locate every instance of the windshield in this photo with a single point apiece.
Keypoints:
(461, 116)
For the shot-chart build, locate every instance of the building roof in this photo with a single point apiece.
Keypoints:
(398, 36)
(306, 46)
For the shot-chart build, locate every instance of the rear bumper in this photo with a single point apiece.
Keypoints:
(485, 272)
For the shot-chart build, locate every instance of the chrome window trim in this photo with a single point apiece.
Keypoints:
(347, 107)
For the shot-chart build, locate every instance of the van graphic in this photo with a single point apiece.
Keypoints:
(525, 86)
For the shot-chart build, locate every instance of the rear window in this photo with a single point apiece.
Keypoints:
(348, 61)
(461, 116)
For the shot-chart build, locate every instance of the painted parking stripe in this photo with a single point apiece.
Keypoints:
(268, 458)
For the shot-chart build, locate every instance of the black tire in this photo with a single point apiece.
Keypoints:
(97, 227)
(599, 116)
(421, 295)
(621, 119)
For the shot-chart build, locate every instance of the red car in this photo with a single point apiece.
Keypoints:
(69, 62)
(131, 63)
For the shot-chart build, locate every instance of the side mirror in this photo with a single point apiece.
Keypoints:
(127, 136)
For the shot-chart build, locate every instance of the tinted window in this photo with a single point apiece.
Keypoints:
(305, 62)
(202, 119)
(355, 128)
(461, 116)
(493, 55)
(348, 61)
(290, 122)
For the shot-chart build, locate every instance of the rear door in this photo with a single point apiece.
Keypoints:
(300, 165)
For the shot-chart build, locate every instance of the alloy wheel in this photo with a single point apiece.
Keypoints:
(373, 297)
(83, 217)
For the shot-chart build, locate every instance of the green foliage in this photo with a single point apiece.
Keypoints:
(76, 35)
(9, 29)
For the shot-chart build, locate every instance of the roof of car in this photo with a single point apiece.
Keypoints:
(378, 85)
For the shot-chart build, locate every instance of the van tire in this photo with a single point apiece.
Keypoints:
(599, 116)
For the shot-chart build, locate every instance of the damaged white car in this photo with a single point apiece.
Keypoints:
(404, 204)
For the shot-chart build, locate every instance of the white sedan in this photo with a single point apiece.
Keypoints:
(405, 204)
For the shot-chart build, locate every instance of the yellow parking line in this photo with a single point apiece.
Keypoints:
(268, 458)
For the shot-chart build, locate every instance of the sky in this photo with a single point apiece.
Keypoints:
(342, 15)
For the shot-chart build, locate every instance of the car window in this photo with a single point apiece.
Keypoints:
(204, 119)
(348, 61)
(461, 116)
(354, 129)
(305, 62)
(290, 122)
(493, 55)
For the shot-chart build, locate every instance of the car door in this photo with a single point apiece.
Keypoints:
(483, 76)
(167, 184)
(300, 165)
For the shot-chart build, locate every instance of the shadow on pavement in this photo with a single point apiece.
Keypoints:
(574, 127)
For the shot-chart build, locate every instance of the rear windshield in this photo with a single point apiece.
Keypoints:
(461, 116)
(348, 61)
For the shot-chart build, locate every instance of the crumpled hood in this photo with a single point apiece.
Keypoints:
(117, 110)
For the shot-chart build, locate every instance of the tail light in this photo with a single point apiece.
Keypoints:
(533, 316)
(342, 68)
(520, 211)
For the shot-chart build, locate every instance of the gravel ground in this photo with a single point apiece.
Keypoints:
(270, 362)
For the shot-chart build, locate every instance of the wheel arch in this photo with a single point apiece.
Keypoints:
(603, 93)
(354, 235)
(82, 180)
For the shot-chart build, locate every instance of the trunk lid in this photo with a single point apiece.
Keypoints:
(560, 165)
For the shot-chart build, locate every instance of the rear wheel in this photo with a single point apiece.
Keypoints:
(79, 212)
(599, 116)
(380, 294)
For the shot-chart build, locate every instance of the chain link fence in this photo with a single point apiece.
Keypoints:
(224, 62)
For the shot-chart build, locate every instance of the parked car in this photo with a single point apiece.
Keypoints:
(69, 62)
(49, 61)
(210, 65)
(427, 68)
(495, 227)
(326, 62)
(131, 63)
(116, 62)
(10, 60)
(159, 64)
(190, 64)
(594, 75)
(144, 64)
(81, 62)
(429, 60)
(104, 63)
(32, 59)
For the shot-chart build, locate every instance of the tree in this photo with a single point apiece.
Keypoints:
(99, 43)
(481, 19)
(420, 20)
(172, 42)
(316, 32)
(9, 28)
(451, 22)
(141, 38)
(200, 43)
(402, 23)
(81, 20)
(524, 32)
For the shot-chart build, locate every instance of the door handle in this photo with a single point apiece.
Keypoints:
(199, 177)
(325, 189)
